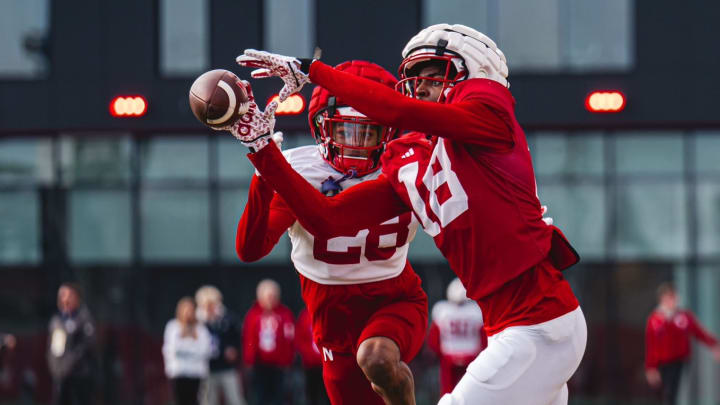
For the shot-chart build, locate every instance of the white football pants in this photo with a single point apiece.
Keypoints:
(528, 365)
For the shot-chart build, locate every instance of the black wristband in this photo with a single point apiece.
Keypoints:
(252, 150)
(305, 65)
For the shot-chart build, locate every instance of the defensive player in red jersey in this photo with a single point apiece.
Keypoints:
(467, 176)
(456, 334)
(369, 312)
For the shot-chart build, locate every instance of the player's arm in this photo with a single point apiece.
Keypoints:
(265, 219)
(651, 361)
(700, 333)
(478, 119)
(368, 203)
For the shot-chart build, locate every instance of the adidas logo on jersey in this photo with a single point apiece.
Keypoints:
(408, 154)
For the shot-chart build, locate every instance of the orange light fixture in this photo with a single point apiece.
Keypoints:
(128, 106)
(293, 105)
(610, 101)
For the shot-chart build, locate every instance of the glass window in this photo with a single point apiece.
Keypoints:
(708, 301)
(184, 37)
(233, 162)
(579, 210)
(25, 160)
(20, 230)
(652, 220)
(423, 248)
(297, 139)
(473, 13)
(529, 34)
(598, 34)
(707, 151)
(649, 152)
(91, 159)
(577, 154)
(100, 229)
(708, 211)
(296, 34)
(232, 204)
(23, 29)
(175, 225)
(548, 35)
(174, 158)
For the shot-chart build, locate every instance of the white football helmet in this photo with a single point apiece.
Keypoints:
(467, 53)
(456, 292)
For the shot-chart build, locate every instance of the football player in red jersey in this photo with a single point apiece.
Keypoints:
(467, 176)
(369, 312)
(456, 334)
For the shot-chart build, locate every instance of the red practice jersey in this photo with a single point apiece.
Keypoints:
(347, 278)
(456, 332)
(456, 337)
(268, 336)
(309, 352)
(667, 338)
(467, 175)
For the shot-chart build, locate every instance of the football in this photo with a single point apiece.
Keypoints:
(217, 99)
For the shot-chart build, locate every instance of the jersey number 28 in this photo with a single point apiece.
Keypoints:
(380, 243)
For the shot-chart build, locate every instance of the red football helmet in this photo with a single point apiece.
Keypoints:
(348, 140)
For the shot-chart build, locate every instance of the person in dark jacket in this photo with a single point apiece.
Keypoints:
(224, 330)
(71, 348)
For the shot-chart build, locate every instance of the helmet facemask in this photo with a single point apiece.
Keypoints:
(351, 141)
(428, 76)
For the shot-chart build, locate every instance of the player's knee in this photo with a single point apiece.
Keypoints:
(379, 358)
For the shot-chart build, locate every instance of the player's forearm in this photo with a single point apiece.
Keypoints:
(472, 120)
(344, 214)
(255, 238)
(702, 334)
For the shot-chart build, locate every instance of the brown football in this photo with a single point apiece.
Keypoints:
(217, 100)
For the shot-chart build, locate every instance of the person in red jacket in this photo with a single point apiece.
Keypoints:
(268, 349)
(311, 360)
(466, 174)
(456, 334)
(667, 343)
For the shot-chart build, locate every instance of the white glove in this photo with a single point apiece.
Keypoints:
(547, 220)
(277, 137)
(286, 68)
(255, 127)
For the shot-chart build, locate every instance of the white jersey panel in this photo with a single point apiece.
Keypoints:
(459, 327)
(371, 255)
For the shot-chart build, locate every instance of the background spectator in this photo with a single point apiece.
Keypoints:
(667, 343)
(186, 350)
(456, 334)
(7, 342)
(311, 358)
(71, 348)
(224, 332)
(268, 335)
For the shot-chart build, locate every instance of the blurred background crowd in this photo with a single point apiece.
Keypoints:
(211, 355)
